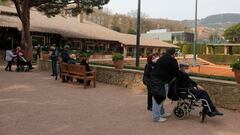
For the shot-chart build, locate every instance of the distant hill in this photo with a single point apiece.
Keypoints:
(221, 18)
(219, 21)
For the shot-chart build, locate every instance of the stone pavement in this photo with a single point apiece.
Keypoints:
(35, 104)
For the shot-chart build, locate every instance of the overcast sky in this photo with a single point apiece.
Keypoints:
(176, 9)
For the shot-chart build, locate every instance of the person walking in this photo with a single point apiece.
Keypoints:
(9, 58)
(165, 69)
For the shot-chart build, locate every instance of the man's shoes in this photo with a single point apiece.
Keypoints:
(165, 115)
(219, 113)
(211, 114)
(216, 112)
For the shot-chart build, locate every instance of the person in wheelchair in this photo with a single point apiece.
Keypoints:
(184, 82)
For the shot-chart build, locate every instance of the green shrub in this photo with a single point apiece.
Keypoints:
(236, 65)
(117, 56)
(220, 59)
(188, 48)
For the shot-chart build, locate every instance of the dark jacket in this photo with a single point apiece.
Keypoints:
(165, 69)
(84, 62)
(54, 55)
(163, 72)
(184, 81)
(71, 61)
(147, 73)
(65, 56)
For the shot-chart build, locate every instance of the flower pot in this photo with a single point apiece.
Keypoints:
(119, 64)
(237, 75)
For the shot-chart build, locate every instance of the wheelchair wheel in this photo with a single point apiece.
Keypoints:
(179, 112)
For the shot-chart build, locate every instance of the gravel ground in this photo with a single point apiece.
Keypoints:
(35, 104)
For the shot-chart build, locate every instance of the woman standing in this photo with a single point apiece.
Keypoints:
(146, 80)
(9, 59)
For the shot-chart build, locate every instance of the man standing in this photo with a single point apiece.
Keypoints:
(38, 53)
(54, 58)
(163, 73)
(65, 58)
(65, 55)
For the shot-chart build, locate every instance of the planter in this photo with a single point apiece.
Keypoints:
(119, 64)
(237, 75)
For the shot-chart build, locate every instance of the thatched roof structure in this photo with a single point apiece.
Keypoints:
(69, 27)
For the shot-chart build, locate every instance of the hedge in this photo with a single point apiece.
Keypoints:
(220, 59)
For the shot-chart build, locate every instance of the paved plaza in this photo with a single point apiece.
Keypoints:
(35, 104)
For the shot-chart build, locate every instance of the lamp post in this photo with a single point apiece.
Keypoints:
(195, 36)
(138, 34)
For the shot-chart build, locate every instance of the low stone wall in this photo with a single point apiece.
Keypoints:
(224, 94)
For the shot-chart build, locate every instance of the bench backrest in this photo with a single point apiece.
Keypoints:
(63, 67)
(77, 69)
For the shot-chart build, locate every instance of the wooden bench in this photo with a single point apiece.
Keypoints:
(78, 72)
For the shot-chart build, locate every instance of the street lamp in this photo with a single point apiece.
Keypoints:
(195, 36)
(138, 34)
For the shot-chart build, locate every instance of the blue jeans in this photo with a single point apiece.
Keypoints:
(54, 67)
(158, 109)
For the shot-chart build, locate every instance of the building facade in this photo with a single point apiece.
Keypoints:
(165, 35)
(84, 36)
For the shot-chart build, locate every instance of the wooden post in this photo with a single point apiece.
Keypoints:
(225, 50)
(125, 49)
(145, 52)
(207, 50)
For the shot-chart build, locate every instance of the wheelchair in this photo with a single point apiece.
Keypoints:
(187, 103)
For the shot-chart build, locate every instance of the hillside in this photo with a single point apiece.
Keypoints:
(127, 23)
(219, 21)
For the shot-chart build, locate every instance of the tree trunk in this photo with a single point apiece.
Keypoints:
(26, 41)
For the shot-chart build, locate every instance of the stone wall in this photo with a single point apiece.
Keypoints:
(225, 94)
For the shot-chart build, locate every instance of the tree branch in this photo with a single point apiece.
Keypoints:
(39, 2)
(19, 11)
